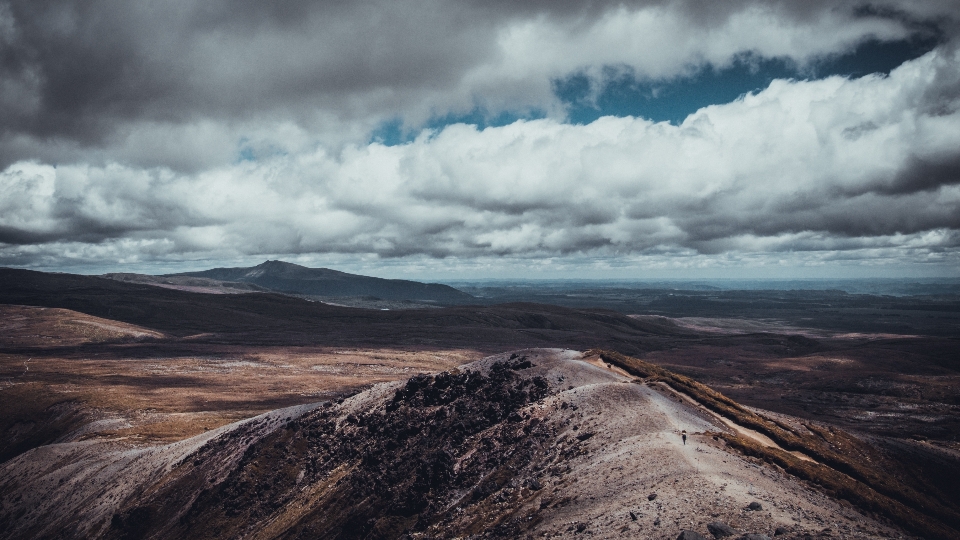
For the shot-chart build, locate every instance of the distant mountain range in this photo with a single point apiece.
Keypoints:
(290, 278)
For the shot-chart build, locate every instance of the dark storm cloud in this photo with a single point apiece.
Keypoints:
(114, 60)
(925, 174)
(78, 69)
(860, 217)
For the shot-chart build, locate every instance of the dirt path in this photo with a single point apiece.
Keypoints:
(739, 429)
(638, 452)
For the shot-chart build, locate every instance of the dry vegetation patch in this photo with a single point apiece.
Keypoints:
(173, 396)
(65, 375)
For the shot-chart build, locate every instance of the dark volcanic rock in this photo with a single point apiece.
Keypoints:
(691, 535)
(719, 529)
(754, 506)
(754, 537)
(395, 465)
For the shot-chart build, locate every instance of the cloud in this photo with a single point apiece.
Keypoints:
(120, 81)
(832, 168)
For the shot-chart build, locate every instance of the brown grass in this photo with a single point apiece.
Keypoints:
(844, 466)
(61, 369)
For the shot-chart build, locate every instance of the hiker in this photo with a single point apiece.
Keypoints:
(683, 435)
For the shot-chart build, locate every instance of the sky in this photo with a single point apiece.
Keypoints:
(483, 139)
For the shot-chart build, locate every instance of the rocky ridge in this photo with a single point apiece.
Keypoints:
(536, 443)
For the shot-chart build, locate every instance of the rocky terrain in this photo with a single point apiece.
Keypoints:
(93, 368)
(537, 443)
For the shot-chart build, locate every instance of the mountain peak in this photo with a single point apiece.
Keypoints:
(280, 264)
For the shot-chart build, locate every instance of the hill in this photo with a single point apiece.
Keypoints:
(530, 444)
(274, 318)
(322, 282)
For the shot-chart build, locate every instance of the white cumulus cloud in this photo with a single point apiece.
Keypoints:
(803, 170)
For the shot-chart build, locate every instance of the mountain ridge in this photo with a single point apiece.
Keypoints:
(537, 442)
(284, 277)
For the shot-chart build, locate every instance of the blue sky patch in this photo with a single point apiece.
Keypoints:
(393, 132)
(619, 92)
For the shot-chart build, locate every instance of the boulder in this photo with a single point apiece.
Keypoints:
(755, 506)
(719, 529)
(691, 535)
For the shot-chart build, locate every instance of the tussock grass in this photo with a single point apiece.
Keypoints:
(841, 486)
(844, 466)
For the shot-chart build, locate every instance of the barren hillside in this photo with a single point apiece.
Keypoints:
(538, 443)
